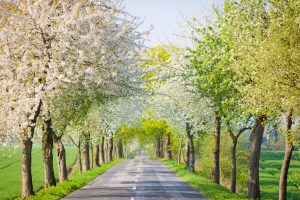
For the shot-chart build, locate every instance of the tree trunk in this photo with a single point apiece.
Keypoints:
(110, 149)
(92, 154)
(161, 147)
(96, 157)
(86, 153)
(190, 153)
(187, 162)
(120, 149)
(169, 151)
(102, 151)
(158, 155)
(287, 158)
(27, 187)
(47, 147)
(191, 159)
(254, 156)
(61, 159)
(79, 154)
(216, 151)
(233, 167)
(179, 151)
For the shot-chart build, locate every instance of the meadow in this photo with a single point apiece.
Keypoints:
(270, 166)
(10, 169)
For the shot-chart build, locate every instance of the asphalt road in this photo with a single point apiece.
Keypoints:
(137, 179)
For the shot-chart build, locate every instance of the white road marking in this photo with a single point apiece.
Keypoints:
(134, 188)
(132, 198)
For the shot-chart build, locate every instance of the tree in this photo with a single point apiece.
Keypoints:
(279, 68)
(58, 43)
(213, 77)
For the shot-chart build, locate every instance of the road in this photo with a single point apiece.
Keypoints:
(137, 179)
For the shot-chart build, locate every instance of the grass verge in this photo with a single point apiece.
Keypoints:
(204, 185)
(75, 182)
(10, 169)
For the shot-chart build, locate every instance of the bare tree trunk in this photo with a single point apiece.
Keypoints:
(233, 169)
(161, 147)
(110, 149)
(96, 157)
(216, 151)
(187, 162)
(179, 151)
(61, 158)
(86, 153)
(158, 155)
(287, 157)
(191, 149)
(120, 149)
(107, 151)
(190, 155)
(169, 150)
(79, 154)
(102, 151)
(27, 187)
(254, 156)
(47, 147)
(92, 154)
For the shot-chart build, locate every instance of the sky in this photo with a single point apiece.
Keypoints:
(168, 18)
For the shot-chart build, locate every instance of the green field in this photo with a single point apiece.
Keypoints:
(10, 169)
(10, 174)
(270, 166)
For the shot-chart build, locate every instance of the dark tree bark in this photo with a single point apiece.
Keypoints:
(47, 147)
(254, 156)
(110, 149)
(187, 162)
(102, 151)
(27, 187)
(234, 139)
(179, 151)
(92, 154)
(79, 154)
(169, 150)
(287, 157)
(161, 147)
(191, 148)
(158, 148)
(86, 152)
(120, 149)
(96, 157)
(233, 169)
(61, 158)
(216, 151)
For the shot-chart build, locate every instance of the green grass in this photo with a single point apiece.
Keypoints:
(270, 166)
(204, 185)
(75, 182)
(10, 169)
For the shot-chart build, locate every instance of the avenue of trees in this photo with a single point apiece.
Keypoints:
(63, 64)
(241, 74)
(77, 72)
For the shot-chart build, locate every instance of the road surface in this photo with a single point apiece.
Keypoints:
(137, 179)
